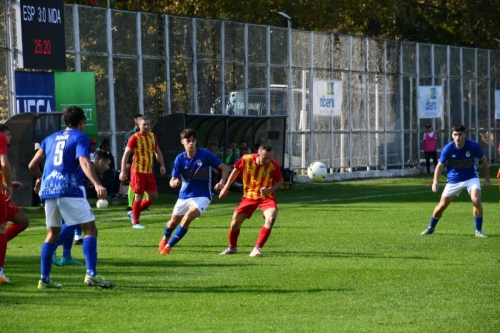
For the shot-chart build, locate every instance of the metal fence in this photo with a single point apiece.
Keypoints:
(161, 64)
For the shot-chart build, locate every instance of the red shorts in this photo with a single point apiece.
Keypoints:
(248, 206)
(11, 209)
(142, 182)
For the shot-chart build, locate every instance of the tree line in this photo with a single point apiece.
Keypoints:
(468, 23)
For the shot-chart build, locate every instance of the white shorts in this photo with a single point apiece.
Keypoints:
(182, 205)
(455, 189)
(72, 210)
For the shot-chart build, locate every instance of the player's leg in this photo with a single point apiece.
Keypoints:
(151, 191)
(450, 193)
(477, 210)
(170, 226)
(270, 213)
(19, 220)
(66, 240)
(3, 252)
(234, 232)
(428, 162)
(53, 221)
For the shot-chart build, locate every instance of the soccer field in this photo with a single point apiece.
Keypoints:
(342, 257)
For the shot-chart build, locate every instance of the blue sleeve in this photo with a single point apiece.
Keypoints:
(83, 146)
(175, 169)
(213, 160)
(478, 151)
(443, 158)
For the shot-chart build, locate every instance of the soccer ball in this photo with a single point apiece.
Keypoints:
(317, 171)
(101, 203)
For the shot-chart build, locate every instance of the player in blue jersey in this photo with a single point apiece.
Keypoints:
(63, 193)
(192, 169)
(460, 157)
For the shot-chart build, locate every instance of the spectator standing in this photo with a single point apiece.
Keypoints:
(429, 142)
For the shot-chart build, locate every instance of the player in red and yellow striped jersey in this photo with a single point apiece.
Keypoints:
(261, 176)
(142, 145)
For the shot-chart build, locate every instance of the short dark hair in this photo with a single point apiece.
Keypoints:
(266, 147)
(458, 128)
(138, 115)
(188, 133)
(73, 116)
(101, 155)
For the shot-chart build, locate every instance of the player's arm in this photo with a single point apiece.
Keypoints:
(232, 177)
(159, 158)
(437, 174)
(88, 169)
(123, 172)
(35, 170)
(486, 171)
(224, 171)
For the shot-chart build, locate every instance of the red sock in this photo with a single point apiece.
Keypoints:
(136, 211)
(263, 236)
(145, 204)
(3, 248)
(13, 230)
(233, 237)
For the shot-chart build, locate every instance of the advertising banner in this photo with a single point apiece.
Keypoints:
(35, 92)
(78, 88)
(327, 98)
(430, 102)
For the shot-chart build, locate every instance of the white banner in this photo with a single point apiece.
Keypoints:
(430, 102)
(327, 98)
(497, 104)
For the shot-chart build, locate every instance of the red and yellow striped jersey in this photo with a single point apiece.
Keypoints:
(256, 176)
(143, 147)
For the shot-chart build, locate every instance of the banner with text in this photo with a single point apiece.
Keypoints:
(430, 102)
(78, 88)
(497, 104)
(35, 92)
(327, 98)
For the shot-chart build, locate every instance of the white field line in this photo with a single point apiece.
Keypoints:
(231, 209)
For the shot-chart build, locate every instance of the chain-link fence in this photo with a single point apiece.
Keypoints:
(161, 64)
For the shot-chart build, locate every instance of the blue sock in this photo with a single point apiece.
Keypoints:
(433, 222)
(168, 232)
(46, 253)
(179, 233)
(68, 244)
(78, 231)
(479, 223)
(90, 253)
(64, 233)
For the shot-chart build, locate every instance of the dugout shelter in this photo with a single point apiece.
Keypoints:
(218, 128)
(28, 129)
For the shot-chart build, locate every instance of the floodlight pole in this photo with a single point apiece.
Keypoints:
(290, 84)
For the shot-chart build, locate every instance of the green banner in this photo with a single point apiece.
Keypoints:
(78, 88)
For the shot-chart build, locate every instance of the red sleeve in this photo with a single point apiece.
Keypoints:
(276, 173)
(3, 144)
(240, 164)
(156, 141)
(132, 141)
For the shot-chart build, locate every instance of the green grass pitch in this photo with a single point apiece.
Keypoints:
(342, 257)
